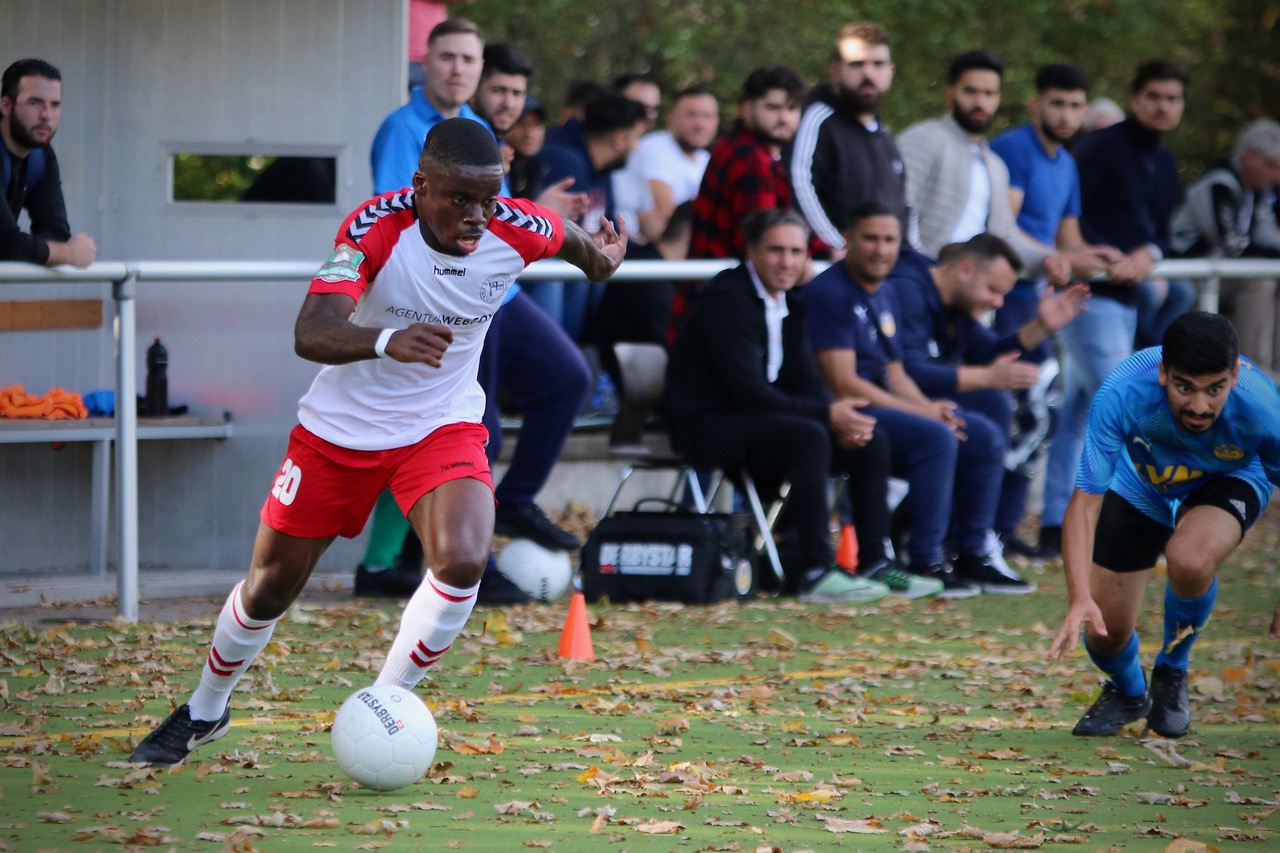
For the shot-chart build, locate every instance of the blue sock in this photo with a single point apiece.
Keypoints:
(1179, 615)
(1124, 668)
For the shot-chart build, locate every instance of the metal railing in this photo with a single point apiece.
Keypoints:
(124, 276)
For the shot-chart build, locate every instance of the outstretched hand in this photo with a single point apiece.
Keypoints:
(612, 242)
(1077, 616)
(558, 198)
(1059, 307)
(1009, 373)
(423, 343)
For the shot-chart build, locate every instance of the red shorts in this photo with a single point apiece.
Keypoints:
(324, 490)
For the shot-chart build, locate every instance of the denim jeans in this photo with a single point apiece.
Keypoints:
(1159, 304)
(1092, 345)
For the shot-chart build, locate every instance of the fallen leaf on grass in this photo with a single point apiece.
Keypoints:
(53, 817)
(1234, 798)
(380, 827)
(514, 807)
(1231, 833)
(1186, 845)
(861, 827)
(659, 827)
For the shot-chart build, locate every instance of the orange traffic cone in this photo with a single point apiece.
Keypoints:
(575, 639)
(847, 552)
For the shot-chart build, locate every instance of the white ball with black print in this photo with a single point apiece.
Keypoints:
(384, 737)
(541, 574)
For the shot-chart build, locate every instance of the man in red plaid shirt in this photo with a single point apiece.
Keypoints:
(746, 173)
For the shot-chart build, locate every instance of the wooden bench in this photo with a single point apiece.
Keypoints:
(52, 314)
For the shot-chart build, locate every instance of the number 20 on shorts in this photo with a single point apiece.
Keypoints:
(286, 487)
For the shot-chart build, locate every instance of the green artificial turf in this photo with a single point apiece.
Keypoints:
(904, 726)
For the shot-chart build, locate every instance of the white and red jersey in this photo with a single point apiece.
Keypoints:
(382, 261)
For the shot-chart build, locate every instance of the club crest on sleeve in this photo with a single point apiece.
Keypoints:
(342, 265)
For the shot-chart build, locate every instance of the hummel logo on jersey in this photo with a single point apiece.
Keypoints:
(1137, 439)
(365, 219)
(449, 271)
(536, 224)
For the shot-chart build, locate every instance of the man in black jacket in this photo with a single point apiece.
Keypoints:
(30, 107)
(842, 154)
(743, 392)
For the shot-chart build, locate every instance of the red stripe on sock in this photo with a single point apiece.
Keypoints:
(446, 596)
(216, 670)
(432, 652)
(213, 654)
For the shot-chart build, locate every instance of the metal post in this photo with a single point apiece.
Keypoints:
(125, 293)
(100, 527)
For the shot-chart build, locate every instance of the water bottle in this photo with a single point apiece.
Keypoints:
(157, 399)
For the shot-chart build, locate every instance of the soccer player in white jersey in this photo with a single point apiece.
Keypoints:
(1180, 456)
(397, 315)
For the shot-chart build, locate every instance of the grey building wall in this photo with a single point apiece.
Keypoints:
(143, 79)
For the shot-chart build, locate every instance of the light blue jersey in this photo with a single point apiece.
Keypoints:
(1135, 448)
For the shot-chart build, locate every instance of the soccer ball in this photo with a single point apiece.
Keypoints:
(542, 574)
(384, 737)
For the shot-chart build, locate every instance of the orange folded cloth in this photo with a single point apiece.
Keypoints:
(57, 404)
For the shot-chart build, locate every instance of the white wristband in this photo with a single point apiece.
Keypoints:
(384, 338)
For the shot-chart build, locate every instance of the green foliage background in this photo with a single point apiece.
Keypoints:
(1232, 50)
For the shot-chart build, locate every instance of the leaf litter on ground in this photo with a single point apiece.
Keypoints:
(904, 726)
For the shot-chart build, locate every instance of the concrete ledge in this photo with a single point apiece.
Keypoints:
(153, 584)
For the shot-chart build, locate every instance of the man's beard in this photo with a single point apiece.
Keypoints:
(772, 139)
(22, 135)
(1052, 136)
(971, 125)
(861, 102)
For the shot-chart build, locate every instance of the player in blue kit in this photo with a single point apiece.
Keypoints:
(1181, 452)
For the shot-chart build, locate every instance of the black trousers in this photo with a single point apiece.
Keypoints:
(774, 448)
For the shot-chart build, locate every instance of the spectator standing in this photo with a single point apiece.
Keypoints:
(1227, 213)
(1128, 193)
(1044, 195)
(956, 185)
(527, 355)
(423, 17)
(744, 171)
(951, 355)
(589, 152)
(454, 59)
(30, 109)
(743, 393)
(853, 327)
(672, 161)
(843, 154)
(633, 198)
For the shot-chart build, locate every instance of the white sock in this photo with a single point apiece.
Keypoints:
(432, 620)
(237, 639)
